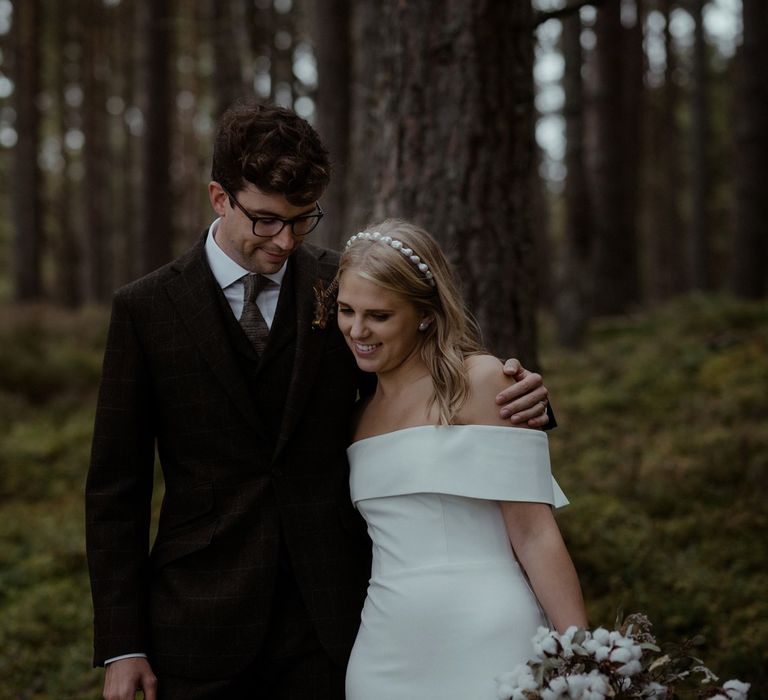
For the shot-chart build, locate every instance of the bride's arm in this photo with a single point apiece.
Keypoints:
(540, 549)
(531, 527)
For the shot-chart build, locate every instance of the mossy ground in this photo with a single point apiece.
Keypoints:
(662, 449)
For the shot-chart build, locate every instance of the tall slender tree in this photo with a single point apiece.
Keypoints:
(228, 52)
(615, 260)
(98, 237)
(157, 232)
(333, 105)
(669, 257)
(27, 282)
(749, 259)
(66, 244)
(359, 183)
(454, 147)
(574, 299)
(699, 255)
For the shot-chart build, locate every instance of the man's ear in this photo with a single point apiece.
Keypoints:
(218, 197)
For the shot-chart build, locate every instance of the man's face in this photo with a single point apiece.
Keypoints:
(234, 233)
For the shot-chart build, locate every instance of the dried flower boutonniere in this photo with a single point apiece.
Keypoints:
(325, 303)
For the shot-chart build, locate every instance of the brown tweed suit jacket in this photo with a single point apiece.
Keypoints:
(198, 603)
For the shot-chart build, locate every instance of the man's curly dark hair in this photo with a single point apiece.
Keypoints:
(272, 148)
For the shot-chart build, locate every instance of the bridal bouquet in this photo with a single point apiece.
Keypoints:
(622, 664)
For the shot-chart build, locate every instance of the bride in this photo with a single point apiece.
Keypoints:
(467, 558)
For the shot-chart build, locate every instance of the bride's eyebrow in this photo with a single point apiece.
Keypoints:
(341, 302)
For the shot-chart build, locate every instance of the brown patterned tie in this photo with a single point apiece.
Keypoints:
(251, 320)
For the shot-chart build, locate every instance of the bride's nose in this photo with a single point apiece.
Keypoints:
(358, 330)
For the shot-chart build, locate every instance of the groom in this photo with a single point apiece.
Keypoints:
(255, 581)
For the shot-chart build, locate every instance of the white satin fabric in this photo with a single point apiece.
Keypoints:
(448, 606)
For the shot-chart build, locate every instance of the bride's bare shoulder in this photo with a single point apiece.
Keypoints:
(486, 379)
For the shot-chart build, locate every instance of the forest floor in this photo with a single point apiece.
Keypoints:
(662, 449)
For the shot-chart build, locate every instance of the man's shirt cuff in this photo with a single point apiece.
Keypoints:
(125, 656)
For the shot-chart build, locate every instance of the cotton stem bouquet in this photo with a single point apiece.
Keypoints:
(624, 664)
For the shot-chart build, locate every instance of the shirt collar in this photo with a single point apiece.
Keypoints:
(227, 271)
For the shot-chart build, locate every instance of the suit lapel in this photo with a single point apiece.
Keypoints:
(192, 292)
(308, 269)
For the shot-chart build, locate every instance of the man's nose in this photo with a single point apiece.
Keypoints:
(285, 240)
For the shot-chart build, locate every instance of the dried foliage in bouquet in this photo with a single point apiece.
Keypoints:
(624, 664)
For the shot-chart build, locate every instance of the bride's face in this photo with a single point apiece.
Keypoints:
(380, 326)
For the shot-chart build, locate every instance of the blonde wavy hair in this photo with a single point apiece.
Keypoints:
(453, 333)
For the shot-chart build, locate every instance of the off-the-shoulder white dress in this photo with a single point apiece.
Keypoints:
(448, 606)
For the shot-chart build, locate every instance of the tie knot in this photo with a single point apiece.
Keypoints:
(254, 284)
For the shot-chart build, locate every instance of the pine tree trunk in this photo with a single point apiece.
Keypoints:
(27, 281)
(281, 64)
(671, 240)
(574, 302)
(701, 267)
(66, 245)
(615, 267)
(333, 105)
(749, 265)
(157, 233)
(228, 45)
(98, 235)
(454, 149)
(359, 183)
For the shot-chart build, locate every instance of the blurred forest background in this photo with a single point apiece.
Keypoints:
(595, 169)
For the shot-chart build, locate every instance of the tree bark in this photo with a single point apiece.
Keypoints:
(228, 49)
(157, 232)
(98, 236)
(615, 259)
(359, 184)
(454, 149)
(574, 299)
(333, 105)
(699, 255)
(28, 233)
(67, 245)
(670, 240)
(281, 64)
(749, 261)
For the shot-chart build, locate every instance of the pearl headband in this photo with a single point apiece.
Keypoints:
(398, 246)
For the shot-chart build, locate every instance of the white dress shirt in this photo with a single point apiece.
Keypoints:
(230, 276)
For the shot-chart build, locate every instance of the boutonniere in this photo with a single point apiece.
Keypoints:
(325, 303)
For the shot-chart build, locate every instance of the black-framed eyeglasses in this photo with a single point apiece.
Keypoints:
(270, 226)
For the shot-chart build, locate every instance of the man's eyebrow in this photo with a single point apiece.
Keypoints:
(274, 215)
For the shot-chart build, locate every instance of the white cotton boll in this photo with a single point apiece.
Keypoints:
(577, 684)
(630, 669)
(556, 690)
(719, 696)
(546, 646)
(736, 689)
(601, 636)
(620, 656)
(504, 691)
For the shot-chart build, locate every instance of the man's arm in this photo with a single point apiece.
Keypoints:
(118, 495)
(526, 401)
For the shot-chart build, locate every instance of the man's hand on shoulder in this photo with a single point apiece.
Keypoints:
(525, 401)
(125, 677)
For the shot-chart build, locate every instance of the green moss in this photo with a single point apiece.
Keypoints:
(663, 451)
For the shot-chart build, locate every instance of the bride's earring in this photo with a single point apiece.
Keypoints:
(423, 326)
